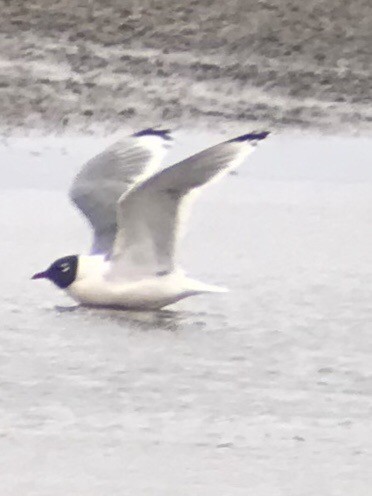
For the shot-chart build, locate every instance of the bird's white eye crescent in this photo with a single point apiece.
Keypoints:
(65, 267)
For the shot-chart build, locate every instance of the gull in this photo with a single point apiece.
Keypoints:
(135, 209)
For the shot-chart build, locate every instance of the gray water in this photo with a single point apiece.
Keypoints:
(265, 390)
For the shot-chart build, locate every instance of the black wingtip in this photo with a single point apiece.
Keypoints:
(162, 133)
(251, 137)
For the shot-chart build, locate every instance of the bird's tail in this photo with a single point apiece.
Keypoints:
(198, 287)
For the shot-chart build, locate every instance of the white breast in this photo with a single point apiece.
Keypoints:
(91, 287)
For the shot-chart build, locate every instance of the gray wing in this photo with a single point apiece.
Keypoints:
(103, 180)
(149, 214)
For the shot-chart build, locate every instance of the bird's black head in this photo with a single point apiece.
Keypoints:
(62, 272)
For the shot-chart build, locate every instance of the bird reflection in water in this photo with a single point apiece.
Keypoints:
(165, 320)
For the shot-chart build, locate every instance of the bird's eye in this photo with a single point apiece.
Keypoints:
(64, 268)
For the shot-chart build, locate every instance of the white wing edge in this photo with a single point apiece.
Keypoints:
(246, 149)
(156, 142)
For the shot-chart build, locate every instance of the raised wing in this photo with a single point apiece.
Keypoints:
(148, 215)
(106, 177)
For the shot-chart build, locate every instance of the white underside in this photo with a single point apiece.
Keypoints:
(92, 288)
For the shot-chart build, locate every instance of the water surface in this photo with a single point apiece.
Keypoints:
(265, 389)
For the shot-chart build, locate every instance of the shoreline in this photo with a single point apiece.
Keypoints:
(268, 64)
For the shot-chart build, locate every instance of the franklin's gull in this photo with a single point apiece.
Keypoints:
(134, 208)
